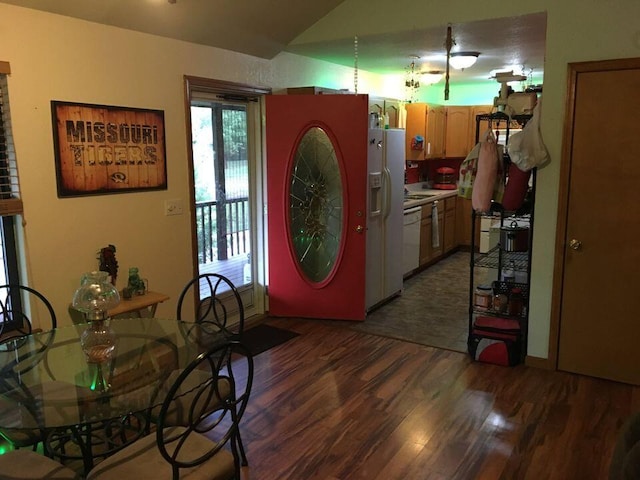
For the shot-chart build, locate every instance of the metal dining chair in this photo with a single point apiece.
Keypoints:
(207, 446)
(18, 304)
(216, 301)
(28, 465)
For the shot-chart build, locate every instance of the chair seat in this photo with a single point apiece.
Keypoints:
(142, 459)
(27, 465)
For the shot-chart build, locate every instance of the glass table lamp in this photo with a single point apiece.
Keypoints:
(94, 298)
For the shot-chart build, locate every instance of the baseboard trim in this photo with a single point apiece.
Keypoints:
(537, 362)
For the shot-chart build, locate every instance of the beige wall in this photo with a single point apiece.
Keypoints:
(577, 30)
(59, 58)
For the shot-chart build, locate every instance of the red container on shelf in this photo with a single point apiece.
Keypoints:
(496, 340)
(445, 179)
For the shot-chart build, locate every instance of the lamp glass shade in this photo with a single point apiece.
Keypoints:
(95, 296)
(462, 60)
(431, 77)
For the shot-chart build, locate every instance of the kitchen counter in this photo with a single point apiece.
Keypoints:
(427, 195)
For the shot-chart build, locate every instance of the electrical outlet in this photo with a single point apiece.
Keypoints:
(173, 207)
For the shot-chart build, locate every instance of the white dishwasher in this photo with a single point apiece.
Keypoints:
(411, 242)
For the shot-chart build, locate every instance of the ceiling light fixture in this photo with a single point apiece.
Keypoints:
(462, 60)
(411, 81)
(432, 76)
(457, 60)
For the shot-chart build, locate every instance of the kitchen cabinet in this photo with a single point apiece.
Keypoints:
(449, 225)
(391, 107)
(436, 120)
(376, 105)
(458, 132)
(428, 122)
(463, 223)
(476, 128)
(428, 251)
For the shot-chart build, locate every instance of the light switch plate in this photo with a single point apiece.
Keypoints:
(173, 207)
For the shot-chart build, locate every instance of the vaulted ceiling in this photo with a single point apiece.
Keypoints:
(266, 28)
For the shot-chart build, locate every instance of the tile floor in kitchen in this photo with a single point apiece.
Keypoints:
(433, 310)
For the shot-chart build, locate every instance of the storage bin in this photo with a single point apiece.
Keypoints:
(496, 340)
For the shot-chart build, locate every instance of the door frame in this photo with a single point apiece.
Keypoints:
(235, 91)
(574, 70)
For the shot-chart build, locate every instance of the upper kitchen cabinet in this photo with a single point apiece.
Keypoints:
(393, 109)
(436, 120)
(482, 126)
(425, 131)
(458, 132)
(376, 105)
(387, 106)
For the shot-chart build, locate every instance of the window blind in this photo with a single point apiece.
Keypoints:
(10, 202)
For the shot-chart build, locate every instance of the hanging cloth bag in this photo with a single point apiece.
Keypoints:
(487, 184)
(526, 148)
(468, 169)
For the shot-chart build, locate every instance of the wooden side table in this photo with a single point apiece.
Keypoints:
(139, 304)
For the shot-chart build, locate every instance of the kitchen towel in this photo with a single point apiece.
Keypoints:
(435, 228)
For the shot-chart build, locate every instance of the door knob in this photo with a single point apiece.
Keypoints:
(359, 229)
(575, 244)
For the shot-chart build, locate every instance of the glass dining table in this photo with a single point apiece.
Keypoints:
(84, 406)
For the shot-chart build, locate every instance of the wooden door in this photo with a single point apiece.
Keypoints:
(317, 198)
(598, 322)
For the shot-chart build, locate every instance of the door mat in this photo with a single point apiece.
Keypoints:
(263, 337)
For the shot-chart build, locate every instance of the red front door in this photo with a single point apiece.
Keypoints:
(316, 184)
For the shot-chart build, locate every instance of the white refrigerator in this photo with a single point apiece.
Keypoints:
(385, 194)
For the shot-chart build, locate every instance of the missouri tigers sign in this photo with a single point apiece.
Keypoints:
(104, 149)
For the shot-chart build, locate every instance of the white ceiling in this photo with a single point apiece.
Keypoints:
(266, 28)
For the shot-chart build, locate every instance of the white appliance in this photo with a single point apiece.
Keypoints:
(412, 219)
(385, 194)
(489, 233)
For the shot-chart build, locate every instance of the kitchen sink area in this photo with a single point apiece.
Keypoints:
(416, 197)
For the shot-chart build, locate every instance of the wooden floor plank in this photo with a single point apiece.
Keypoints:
(334, 403)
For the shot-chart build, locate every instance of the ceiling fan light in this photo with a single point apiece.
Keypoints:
(431, 77)
(462, 60)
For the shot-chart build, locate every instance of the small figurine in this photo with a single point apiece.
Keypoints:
(108, 262)
(135, 284)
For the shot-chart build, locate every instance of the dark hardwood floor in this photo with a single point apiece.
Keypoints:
(334, 403)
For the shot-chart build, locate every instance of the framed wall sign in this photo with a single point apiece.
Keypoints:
(103, 149)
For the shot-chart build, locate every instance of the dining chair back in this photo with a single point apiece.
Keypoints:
(216, 300)
(206, 446)
(18, 303)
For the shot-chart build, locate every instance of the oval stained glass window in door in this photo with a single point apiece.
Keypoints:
(315, 205)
